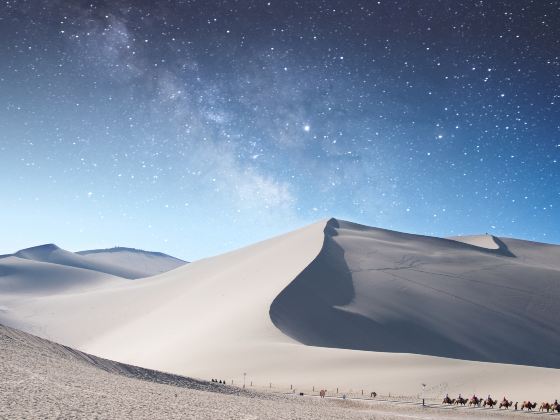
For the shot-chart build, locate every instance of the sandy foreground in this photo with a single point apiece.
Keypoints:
(41, 379)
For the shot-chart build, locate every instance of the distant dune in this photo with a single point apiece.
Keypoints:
(331, 304)
(136, 262)
(128, 263)
(49, 270)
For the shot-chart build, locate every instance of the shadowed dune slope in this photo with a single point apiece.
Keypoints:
(378, 290)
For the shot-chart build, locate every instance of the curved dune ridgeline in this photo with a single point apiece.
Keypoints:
(378, 290)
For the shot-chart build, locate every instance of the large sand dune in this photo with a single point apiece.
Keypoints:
(373, 289)
(332, 304)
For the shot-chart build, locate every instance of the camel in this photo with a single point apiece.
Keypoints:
(545, 406)
(373, 394)
(474, 401)
(489, 402)
(322, 393)
(461, 401)
(528, 405)
(555, 406)
(505, 403)
(448, 400)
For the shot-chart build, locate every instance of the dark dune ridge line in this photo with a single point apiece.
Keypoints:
(379, 290)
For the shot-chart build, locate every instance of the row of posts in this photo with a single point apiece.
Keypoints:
(291, 388)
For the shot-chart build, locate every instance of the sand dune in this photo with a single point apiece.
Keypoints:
(122, 262)
(50, 270)
(302, 308)
(135, 263)
(20, 276)
(372, 289)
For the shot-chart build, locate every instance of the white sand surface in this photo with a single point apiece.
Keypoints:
(41, 379)
(331, 305)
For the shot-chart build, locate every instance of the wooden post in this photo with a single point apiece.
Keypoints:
(290, 386)
(270, 385)
(362, 392)
(313, 388)
(337, 390)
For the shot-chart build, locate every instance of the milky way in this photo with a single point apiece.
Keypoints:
(194, 127)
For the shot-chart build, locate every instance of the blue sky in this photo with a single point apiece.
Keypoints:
(195, 128)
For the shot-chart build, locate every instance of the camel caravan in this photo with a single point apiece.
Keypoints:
(475, 401)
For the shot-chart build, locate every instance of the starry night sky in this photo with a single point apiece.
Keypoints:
(195, 127)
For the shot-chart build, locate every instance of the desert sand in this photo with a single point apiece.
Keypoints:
(331, 305)
(41, 379)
